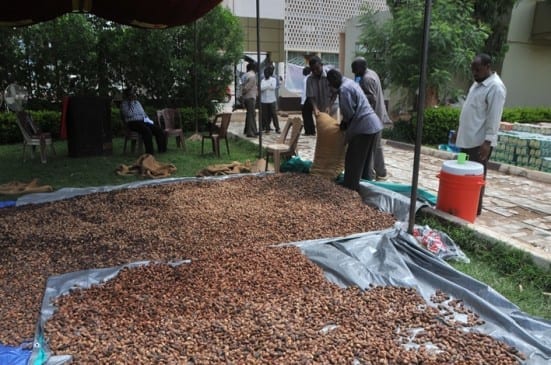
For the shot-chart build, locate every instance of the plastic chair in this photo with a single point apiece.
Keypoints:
(32, 136)
(285, 147)
(135, 139)
(217, 133)
(170, 120)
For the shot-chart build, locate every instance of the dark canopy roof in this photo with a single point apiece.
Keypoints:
(137, 13)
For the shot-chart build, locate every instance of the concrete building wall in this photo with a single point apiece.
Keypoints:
(307, 26)
(272, 9)
(271, 37)
(527, 65)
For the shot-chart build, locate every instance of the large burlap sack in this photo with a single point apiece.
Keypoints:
(147, 166)
(330, 148)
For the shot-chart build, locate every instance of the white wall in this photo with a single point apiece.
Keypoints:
(527, 65)
(269, 9)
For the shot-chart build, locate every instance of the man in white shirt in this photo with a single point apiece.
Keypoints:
(481, 114)
(268, 87)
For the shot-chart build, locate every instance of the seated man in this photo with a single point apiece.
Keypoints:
(136, 120)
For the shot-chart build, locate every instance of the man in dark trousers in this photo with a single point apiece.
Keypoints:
(481, 114)
(306, 106)
(136, 120)
(250, 92)
(360, 124)
(318, 90)
(370, 83)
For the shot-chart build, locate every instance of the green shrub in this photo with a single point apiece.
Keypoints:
(46, 120)
(437, 124)
(402, 131)
(527, 115)
(50, 121)
(188, 116)
(439, 121)
(9, 132)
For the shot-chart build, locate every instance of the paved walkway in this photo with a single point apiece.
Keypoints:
(517, 205)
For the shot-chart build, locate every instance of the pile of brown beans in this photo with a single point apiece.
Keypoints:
(238, 301)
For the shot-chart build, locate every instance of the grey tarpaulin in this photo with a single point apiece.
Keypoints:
(60, 285)
(390, 257)
(393, 257)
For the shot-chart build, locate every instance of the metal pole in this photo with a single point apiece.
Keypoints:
(420, 116)
(258, 78)
(195, 85)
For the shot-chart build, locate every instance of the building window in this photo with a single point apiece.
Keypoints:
(330, 59)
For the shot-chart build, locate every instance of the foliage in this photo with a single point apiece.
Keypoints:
(80, 54)
(9, 132)
(402, 131)
(394, 50)
(46, 120)
(50, 121)
(56, 56)
(439, 121)
(497, 14)
(527, 115)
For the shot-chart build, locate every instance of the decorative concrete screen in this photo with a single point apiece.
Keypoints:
(314, 25)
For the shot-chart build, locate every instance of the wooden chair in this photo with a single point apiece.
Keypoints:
(218, 133)
(32, 136)
(285, 147)
(170, 120)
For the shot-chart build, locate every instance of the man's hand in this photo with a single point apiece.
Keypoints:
(484, 151)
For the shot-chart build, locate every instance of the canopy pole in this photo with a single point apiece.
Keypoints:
(258, 78)
(420, 116)
(195, 86)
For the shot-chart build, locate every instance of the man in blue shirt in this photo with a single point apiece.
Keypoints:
(136, 120)
(360, 125)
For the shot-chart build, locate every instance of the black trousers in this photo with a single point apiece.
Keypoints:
(375, 166)
(308, 119)
(250, 118)
(147, 131)
(360, 149)
(269, 113)
(474, 155)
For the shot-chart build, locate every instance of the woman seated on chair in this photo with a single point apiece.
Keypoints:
(136, 120)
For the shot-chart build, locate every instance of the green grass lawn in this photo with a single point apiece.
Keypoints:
(63, 171)
(507, 270)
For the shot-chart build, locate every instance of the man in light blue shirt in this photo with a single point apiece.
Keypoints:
(136, 120)
(360, 124)
(481, 114)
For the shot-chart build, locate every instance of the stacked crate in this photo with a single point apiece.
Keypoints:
(525, 145)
